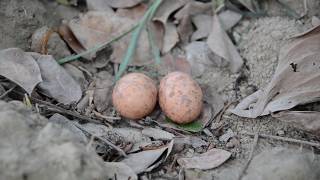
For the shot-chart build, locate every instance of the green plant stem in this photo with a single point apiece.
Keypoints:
(135, 37)
(96, 48)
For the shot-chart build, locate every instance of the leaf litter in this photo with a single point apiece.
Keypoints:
(176, 17)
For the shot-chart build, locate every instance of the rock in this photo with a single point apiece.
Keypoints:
(284, 164)
(32, 148)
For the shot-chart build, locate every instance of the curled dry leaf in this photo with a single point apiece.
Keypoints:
(45, 41)
(220, 43)
(166, 9)
(66, 33)
(20, 67)
(171, 37)
(208, 160)
(296, 80)
(145, 161)
(57, 83)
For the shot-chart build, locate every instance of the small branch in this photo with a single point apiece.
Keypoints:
(7, 92)
(104, 140)
(285, 139)
(253, 147)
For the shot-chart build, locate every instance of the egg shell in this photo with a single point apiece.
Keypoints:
(134, 96)
(180, 97)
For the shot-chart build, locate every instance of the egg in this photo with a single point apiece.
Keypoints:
(180, 97)
(134, 96)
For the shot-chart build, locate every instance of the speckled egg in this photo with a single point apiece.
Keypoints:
(180, 97)
(134, 96)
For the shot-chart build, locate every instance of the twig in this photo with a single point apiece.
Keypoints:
(105, 117)
(7, 92)
(104, 140)
(285, 139)
(253, 147)
(58, 109)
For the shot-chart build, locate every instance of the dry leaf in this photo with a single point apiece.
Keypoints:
(67, 35)
(199, 57)
(103, 91)
(171, 37)
(306, 120)
(157, 134)
(203, 25)
(229, 19)
(220, 43)
(122, 3)
(98, 5)
(20, 67)
(315, 21)
(296, 80)
(77, 75)
(208, 160)
(170, 63)
(145, 161)
(134, 13)
(166, 9)
(57, 83)
(185, 29)
(119, 170)
(192, 8)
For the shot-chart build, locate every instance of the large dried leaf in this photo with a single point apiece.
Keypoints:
(157, 134)
(229, 18)
(208, 160)
(306, 120)
(220, 43)
(296, 80)
(122, 3)
(145, 161)
(20, 67)
(57, 83)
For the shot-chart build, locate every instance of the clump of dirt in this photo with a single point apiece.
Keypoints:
(19, 19)
(261, 45)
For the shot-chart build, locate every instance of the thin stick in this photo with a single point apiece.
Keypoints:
(105, 141)
(7, 92)
(105, 117)
(285, 139)
(253, 147)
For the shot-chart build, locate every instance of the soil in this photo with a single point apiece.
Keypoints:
(259, 41)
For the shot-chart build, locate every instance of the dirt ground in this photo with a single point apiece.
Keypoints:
(258, 41)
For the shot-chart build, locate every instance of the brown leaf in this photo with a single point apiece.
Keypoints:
(295, 81)
(208, 160)
(220, 43)
(20, 67)
(71, 40)
(122, 3)
(305, 120)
